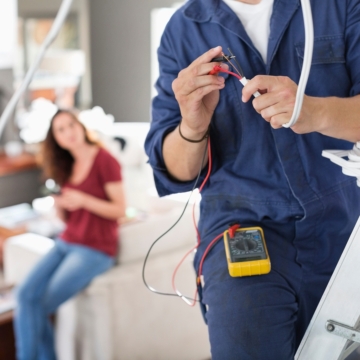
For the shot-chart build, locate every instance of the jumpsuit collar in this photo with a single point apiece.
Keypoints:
(283, 11)
(217, 11)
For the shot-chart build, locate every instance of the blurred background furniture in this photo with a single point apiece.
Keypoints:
(19, 179)
(116, 317)
(7, 341)
(4, 235)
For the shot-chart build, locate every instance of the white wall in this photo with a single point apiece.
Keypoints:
(8, 29)
(119, 44)
(120, 48)
(40, 7)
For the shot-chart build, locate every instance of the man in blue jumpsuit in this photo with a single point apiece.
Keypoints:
(263, 174)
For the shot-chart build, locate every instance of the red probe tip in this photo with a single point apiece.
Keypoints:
(215, 70)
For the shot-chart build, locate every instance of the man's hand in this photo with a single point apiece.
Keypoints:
(198, 94)
(276, 104)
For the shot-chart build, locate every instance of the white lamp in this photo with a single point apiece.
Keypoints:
(8, 33)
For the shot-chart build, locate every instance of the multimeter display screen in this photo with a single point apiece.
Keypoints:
(247, 245)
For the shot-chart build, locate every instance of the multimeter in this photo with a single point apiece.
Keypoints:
(246, 251)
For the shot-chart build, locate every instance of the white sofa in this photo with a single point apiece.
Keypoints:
(117, 317)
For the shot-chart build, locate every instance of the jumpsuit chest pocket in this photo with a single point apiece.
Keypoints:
(327, 50)
(328, 65)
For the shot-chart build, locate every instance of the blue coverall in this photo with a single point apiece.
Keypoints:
(275, 179)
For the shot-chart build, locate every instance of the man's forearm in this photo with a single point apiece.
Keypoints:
(183, 158)
(332, 116)
(336, 117)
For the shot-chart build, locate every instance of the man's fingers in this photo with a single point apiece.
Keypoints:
(192, 84)
(195, 75)
(207, 57)
(204, 69)
(278, 120)
(199, 70)
(265, 101)
(259, 82)
(273, 111)
(199, 93)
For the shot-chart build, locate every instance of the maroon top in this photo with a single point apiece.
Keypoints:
(84, 227)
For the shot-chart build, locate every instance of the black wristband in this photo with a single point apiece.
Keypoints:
(195, 141)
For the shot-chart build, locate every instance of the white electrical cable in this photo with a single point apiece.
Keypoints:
(58, 22)
(308, 51)
(244, 81)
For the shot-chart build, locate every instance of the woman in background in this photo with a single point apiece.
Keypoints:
(90, 204)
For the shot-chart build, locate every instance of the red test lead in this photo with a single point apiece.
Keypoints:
(217, 68)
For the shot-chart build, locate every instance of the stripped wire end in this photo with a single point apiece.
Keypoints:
(239, 70)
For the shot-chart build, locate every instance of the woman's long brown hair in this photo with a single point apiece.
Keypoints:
(57, 162)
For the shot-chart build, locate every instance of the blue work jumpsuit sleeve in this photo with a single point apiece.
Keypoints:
(165, 118)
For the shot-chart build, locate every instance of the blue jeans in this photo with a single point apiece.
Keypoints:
(62, 273)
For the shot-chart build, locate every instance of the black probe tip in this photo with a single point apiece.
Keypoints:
(222, 58)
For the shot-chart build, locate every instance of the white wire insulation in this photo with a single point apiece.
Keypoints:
(55, 28)
(308, 52)
(244, 81)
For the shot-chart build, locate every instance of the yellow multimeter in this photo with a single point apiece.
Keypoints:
(246, 251)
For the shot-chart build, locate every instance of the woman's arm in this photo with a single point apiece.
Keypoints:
(112, 209)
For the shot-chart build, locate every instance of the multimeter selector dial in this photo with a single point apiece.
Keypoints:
(247, 245)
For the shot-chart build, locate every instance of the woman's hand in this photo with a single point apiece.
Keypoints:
(58, 201)
(197, 94)
(276, 104)
(113, 209)
(72, 200)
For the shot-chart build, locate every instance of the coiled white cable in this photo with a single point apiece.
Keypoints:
(55, 28)
(350, 167)
(308, 52)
